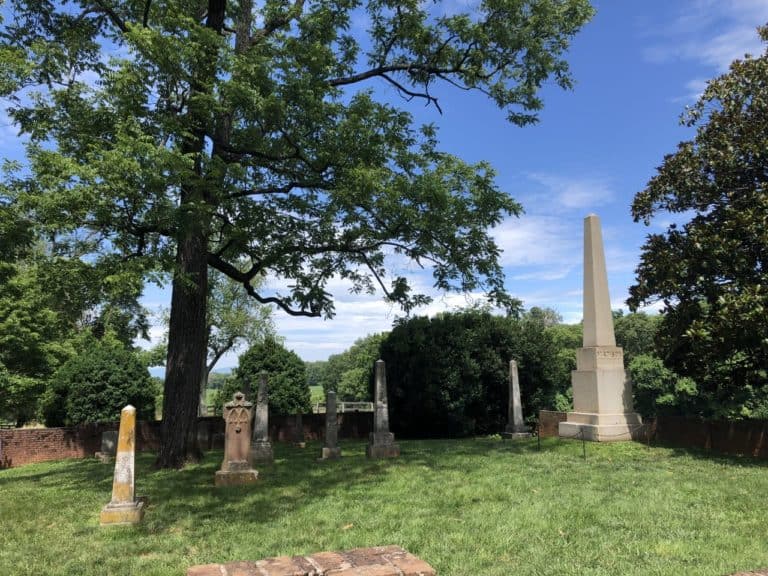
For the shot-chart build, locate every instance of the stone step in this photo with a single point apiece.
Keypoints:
(377, 561)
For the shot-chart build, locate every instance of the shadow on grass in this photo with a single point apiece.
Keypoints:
(295, 479)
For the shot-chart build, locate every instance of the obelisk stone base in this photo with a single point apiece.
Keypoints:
(602, 398)
(123, 514)
(382, 445)
(601, 427)
(515, 435)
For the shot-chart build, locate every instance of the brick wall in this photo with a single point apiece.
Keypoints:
(737, 437)
(742, 437)
(549, 421)
(28, 445)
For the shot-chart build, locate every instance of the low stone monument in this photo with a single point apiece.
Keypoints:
(377, 561)
(602, 391)
(382, 442)
(261, 447)
(515, 429)
(108, 446)
(331, 449)
(298, 432)
(236, 469)
(124, 508)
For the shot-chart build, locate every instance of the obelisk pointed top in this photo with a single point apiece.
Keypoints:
(598, 319)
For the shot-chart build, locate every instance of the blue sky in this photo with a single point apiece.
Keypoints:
(636, 66)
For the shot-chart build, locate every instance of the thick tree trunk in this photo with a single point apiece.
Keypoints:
(187, 346)
(187, 328)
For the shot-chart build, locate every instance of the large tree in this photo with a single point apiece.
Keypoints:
(197, 133)
(711, 272)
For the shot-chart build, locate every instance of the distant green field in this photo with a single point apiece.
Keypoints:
(474, 507)
(316, 394)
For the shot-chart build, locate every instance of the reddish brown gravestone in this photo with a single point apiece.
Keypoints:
(236, 469)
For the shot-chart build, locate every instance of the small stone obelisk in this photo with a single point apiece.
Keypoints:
(236, 469)
(261, 447)
(515, 428)
(602, 391)
(382, 442)
(331, 449)
(124, 508)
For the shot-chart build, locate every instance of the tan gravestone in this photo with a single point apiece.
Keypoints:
(236, 469)
(381, 442)
(124, 508)
(602, 391)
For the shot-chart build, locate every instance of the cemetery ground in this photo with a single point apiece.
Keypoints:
(468, 507)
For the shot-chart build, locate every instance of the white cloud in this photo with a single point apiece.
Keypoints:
(582, 194)
(549, 244)
(711, 32)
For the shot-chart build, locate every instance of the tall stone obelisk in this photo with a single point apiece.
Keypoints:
(381, 442)
(602, 391)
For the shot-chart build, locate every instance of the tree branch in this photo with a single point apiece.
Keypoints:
(116, 20)
(245, 279)
(285, 189)
(145, 18)
(411, 95)
(293, 13)
(381, 70)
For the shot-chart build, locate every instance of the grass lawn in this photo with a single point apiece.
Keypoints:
(468, 507)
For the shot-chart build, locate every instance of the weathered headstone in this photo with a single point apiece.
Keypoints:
(602, 392)
(515, 427)
(298, 431)
(124, 508)
(108, 446)
(331, 448)
(236, 469)
(261, 447)
(381, 442)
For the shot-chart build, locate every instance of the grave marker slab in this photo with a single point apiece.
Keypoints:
(236, 468)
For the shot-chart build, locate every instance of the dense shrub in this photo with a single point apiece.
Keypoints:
(287, 379)
(448, 376)
(96, 384)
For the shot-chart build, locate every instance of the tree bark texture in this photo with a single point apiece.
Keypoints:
(187, 347)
